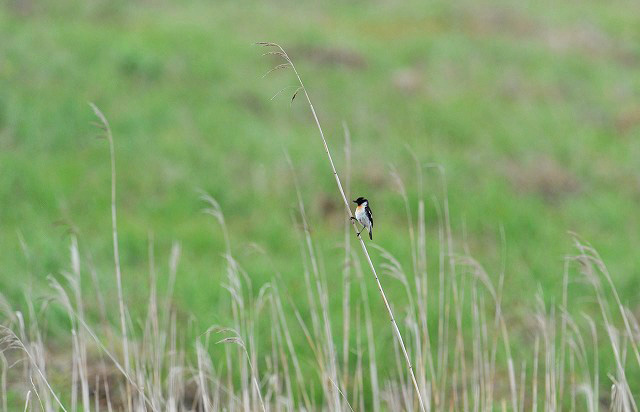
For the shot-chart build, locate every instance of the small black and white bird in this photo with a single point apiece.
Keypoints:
(364, 215)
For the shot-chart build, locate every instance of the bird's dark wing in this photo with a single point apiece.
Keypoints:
(369, 214)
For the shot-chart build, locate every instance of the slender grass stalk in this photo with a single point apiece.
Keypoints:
(346, 270)
(289, 63)
(358, 378)
(3, 381)
(534, 380)
(104, 125)
(26, 401)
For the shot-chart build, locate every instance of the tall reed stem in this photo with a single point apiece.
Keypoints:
(116, 255)
(281, 53)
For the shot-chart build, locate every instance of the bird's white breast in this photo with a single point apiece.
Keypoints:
(361, 214)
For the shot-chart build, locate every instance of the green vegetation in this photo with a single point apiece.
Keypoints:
(532, 110)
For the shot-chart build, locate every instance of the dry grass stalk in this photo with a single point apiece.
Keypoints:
(104, 125)
(346, 270)
(284, 55)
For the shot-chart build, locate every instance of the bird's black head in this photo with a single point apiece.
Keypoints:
(360, 200)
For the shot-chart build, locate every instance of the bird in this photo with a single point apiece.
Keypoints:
(364, 215)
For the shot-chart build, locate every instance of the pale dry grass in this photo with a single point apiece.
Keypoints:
(452, 348)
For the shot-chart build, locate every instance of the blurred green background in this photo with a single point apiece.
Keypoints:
(532, 108)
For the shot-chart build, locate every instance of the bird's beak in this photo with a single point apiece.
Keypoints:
(355, 201)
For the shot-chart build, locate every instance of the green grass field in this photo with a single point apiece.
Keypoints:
(532, 109)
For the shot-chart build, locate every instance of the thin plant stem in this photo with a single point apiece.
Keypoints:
(116, 255)
(284, 55)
